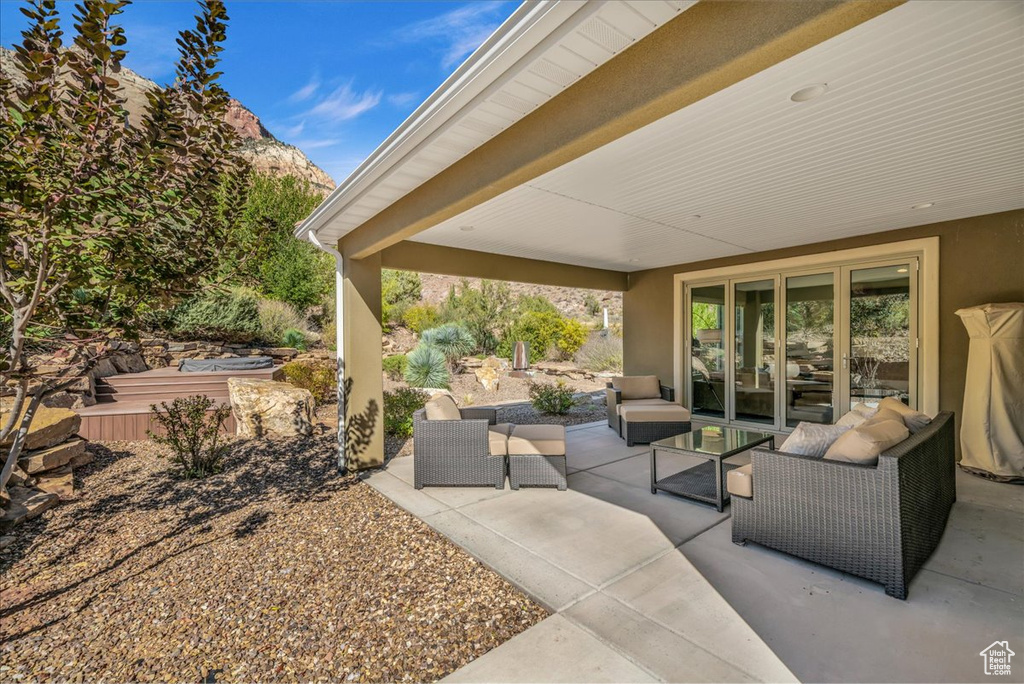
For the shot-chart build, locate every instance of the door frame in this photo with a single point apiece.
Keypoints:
(925, 250)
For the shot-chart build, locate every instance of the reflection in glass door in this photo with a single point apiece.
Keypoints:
(755, 371)
(810, 349)
(707, 349)
(880, 360)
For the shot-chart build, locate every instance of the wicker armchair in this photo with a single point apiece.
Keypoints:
(878, 522)
(453, 453)
(613, 398)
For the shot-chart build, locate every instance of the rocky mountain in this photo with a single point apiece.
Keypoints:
(260, 148)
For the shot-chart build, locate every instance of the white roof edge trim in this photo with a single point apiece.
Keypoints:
(438, 108)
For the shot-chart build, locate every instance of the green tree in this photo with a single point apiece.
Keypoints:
(483, 311)
(398, 291)
(298, 273)
(101, 219)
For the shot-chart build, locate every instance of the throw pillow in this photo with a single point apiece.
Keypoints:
(857, 415)
(863, 444)
(442, 407)
(884, 414)
(812, 439)
(914, 420)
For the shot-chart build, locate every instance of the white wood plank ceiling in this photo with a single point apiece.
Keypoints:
(925, 104)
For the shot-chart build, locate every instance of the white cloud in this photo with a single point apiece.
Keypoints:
(402, 99)
(305, 92)
(292, 131)
(462, 29)
(314, 143)
(344, 104)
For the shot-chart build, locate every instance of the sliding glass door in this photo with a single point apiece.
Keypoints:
(776, 349)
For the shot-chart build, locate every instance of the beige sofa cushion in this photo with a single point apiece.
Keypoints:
(883, 414)
(547, 440)
(442, 407)
(740, 481)
(641, 402)
(638, 386)
(663, 412)
(497, 438)
(914, 420)
(863, 444)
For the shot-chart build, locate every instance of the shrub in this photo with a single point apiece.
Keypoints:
(540, 330)
(298, 273)
(482, 311)
(602, 352)
(398, 409)
(453, 341)
(395, 365)
(317, 377)
(192, 432)
(296, 339)
(398, 291)
(229, 315)
(552, 398)
(592, 306)
(426, 367)
(572, 336)
(276, 318)
(420, 317)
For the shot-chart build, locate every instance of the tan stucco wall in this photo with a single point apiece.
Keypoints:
(423, 258)
(981, 260)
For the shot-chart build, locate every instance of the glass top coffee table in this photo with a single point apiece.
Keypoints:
(704, 481)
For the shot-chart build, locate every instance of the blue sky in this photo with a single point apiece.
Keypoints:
(333, 78)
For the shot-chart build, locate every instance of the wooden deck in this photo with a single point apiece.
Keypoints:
(123, 408)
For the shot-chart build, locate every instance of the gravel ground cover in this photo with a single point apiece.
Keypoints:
(277, 569)
(467, 391)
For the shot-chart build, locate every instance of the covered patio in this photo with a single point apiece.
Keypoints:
(648, 588)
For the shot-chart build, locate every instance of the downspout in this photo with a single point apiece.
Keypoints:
(339, 343)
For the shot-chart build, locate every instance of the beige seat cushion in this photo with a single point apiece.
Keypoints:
(654, 413)
(641, 402)
(863, 444)
(914, 420)
(497, 437)
(442, 407)
(638, 386)
(548, 440)
(740, 481)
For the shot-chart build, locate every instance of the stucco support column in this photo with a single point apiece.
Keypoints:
(362, 371)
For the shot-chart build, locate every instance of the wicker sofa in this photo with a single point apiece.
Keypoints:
(635, 390)
(468, 450)
(878, 522)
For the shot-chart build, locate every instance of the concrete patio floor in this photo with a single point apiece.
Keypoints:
(649, 588)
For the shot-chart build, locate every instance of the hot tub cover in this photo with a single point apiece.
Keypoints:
(222, 365)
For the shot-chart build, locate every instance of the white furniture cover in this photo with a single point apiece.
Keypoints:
(992, 429)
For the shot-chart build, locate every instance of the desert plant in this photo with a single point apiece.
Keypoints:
(601, 353)
(592, 305)
(452, 340)
(420, 317)
(192, 431)
(540, 330)
(399, 406)
(554, 398)
(426, 367)
(317, 377)
(329, 335)
(394, 366)
(296, 339)
(229, 315)
(483, 311)
(571, 337)
(398, 291)
(277, 317)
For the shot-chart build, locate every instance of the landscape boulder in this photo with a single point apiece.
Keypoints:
(49, 426)
(488, 377)
(53, 457)
(60, 482)
(268, 407)
(26, 504)
(495, 363)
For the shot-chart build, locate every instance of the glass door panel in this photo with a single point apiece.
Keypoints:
(754, 351)
(879, 334)
(810, 349)
(707, 349)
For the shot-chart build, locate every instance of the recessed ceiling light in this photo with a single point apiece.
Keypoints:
(466, 229)
(901, 270)
(634, 261)
(923, 206)
(809, 93)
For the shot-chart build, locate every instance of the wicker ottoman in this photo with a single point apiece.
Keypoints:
(536, 456)
(646, 424)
